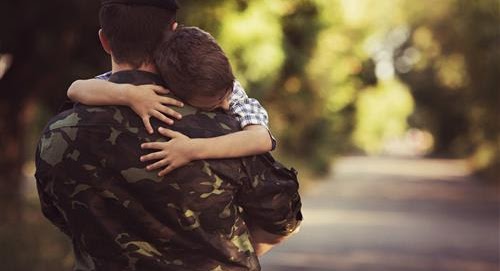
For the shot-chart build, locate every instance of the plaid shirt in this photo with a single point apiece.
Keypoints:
(247, 111)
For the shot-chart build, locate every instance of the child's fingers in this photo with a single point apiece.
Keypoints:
(153, 156)
(169, 111)
(167, 170)
(159, 89)
(153, 145)
(147, 124)
(160, 116)
(157, 165)
(169, 133)
(171, 101)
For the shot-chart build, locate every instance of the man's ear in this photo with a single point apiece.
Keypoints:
(104, 42)
(174, 26)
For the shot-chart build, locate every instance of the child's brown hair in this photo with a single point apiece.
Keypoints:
(193, 64)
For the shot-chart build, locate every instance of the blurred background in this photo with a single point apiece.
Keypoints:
(389, 108)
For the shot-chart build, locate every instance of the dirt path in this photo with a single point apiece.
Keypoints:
(382, 214)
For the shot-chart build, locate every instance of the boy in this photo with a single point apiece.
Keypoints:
(148, 101)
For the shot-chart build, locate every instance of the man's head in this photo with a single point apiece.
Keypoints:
(195, 68)
(132, 29)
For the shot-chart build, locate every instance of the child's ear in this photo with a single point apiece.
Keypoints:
(225, 104)
(104, 42)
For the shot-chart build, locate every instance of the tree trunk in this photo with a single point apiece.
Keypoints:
(15, 88)
(11, 161)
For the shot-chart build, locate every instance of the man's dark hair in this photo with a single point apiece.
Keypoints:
(193, 64)
(134, 31)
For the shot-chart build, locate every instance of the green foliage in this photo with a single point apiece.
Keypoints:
(312, 63)
(389, 101)
(270, 46)
(455, 82)
(323, 69)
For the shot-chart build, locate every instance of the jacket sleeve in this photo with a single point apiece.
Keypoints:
(269, 196)
(48, 204)
(52, 213)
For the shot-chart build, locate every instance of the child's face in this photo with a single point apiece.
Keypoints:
(211, 103)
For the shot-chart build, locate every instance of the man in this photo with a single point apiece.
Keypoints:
(203, 216)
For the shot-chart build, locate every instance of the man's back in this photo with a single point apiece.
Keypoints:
(121, 217)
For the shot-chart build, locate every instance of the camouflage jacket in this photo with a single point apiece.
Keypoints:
(119, 216)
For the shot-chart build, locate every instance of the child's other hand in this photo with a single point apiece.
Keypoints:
(147, 101)
(175, 153)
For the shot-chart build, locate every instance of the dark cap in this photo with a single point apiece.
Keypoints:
(166, 4)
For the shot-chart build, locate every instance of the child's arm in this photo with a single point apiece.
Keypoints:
(146, 100)
(180, 149)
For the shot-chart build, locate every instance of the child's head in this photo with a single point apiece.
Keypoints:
(195, 68)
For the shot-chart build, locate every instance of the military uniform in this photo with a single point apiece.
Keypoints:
(119, 216)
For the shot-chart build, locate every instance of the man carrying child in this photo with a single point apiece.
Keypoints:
(205, 215)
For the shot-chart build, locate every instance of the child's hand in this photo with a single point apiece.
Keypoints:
(173, 154)
(147, 102)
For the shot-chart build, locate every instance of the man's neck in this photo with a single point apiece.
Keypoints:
(115, 67)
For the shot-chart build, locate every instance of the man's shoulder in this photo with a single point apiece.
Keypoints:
(82, 115)
(120, 119)
(199, 124)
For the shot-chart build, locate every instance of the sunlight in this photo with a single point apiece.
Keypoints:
(354, 11)
(451, 71)
(264, 35)
(381, 115)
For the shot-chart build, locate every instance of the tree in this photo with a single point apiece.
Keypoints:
(455, 82)
(44, 46)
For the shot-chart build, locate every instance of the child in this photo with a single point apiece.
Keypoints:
(147, 101)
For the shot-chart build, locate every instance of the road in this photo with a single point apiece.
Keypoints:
(388, 214)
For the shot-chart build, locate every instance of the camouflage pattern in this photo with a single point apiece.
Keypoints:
(119, 216)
